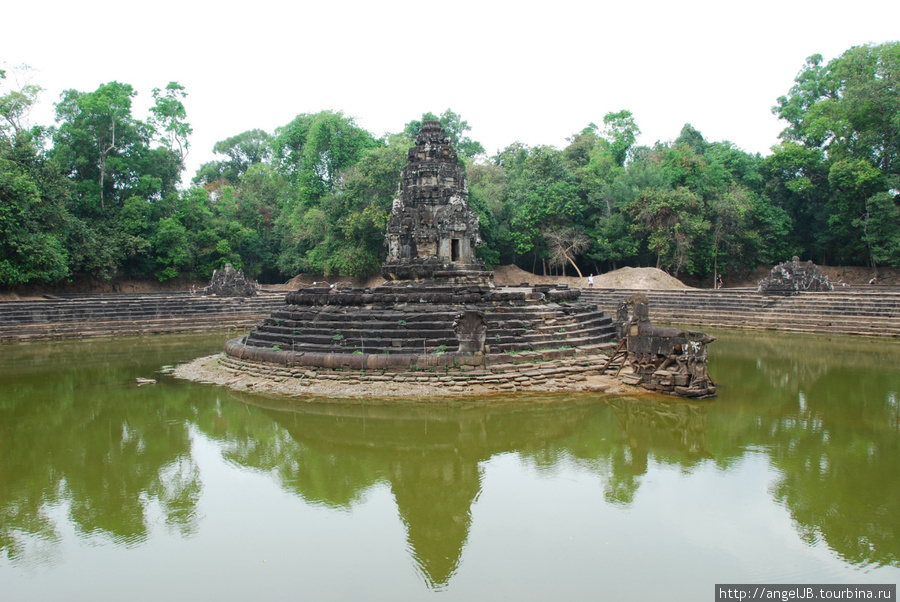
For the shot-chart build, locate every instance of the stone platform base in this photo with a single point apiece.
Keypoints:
(548, 371)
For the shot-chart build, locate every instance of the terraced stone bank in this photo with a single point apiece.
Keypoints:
(121, 314)
(869, 311)
(873, 311)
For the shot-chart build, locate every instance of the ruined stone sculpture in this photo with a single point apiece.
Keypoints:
(667, 360)
(229, 283)
(793, 277)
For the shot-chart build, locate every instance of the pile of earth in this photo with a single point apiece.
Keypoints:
(637, 278)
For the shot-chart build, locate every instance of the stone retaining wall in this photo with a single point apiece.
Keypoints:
(130, 314)
(549, 370)
(873, 311)
(869, 311)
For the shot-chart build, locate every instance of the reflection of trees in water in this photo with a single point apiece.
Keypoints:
(793, 362)
(670, 431)
(430, 454)
(792, 375)
(103, 458)
(105, 453)
(77, 436)
(434, 497)
(831, 430)
(839, 457)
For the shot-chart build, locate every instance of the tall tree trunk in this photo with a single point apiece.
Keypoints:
(102, 174)
(573, 265)
(104, 154)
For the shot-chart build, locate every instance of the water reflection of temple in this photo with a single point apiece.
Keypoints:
(430, 456)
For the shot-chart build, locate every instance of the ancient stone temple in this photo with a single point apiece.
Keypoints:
(432, 232)
(439, 318)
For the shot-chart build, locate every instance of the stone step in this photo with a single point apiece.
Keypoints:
(869, 312)
(66, 330)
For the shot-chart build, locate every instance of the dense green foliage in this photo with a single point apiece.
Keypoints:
(99, 192)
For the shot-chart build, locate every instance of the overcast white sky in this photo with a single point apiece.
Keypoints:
(533, 72)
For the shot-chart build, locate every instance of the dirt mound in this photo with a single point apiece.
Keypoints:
(307, 279)
(639, 278)
(644, 278)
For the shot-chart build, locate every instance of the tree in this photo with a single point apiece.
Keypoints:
(812, 85)
(600, 159)
(16, 104)
(673, 220)
(168, 117)
(358, 213)
(841, 150)
(191, 242)
(542, 192)
(97, 126)
(242, 151)
(852, 184)
(487, 184)
(565, 245)
(613, 239)
(580, 147)
(314, 149)
(848, 107)
(32, 220)
(455, 127)
(797, 182)
(106, 154)
(251, 210)
(881, 229)
(620, 132)
(728, 224)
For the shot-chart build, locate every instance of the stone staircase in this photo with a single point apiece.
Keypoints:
(117, 314)
(873, 311)
(410, 328)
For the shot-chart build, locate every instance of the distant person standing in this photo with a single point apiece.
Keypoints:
(719, 283)
(591, 281)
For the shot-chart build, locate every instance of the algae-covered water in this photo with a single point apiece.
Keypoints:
(185, 491)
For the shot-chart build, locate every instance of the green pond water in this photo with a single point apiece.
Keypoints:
(185, 491)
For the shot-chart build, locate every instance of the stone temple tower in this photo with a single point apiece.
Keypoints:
(432, 233)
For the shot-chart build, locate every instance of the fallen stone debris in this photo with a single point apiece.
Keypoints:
(229, 283)
(793, 277)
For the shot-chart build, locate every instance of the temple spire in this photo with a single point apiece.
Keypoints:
(432, 232)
